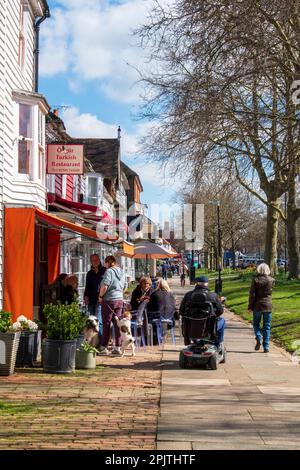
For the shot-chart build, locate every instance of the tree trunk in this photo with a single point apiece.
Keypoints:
(271, 237)
(292, 239)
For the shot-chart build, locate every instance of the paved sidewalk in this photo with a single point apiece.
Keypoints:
(251, 402)
(113, 407)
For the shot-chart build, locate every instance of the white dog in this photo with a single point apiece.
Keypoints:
(91, 331)
(124, 325)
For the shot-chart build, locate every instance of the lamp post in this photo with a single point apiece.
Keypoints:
(218, 283)
(285, 234)
(218, 286)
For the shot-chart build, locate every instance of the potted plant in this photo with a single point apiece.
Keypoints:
(86, 356)
(9, 342)
(64, 323)
(28, 340)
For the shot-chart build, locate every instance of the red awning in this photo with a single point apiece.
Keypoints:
(88, 211)
(54, 221)
(85, 209)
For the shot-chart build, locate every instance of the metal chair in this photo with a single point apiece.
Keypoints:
(141, 327)
(160, 324)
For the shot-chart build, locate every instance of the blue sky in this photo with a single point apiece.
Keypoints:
(85, 50)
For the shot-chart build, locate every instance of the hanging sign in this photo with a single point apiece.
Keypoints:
(64, 159)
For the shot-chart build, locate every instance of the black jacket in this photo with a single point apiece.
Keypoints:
(211, 297)
(92, 284)
(162, 302)
(260, 295)
(137, 294)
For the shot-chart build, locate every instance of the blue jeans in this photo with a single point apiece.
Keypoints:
(266, 327)
(220, 330)
(95, 309)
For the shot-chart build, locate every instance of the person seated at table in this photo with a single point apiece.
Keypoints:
(70, 293)
(141, 293)
(162, 304)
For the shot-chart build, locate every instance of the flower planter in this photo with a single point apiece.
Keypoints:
(59, 356)
(26, 349)
(9, 343)
(85, 360)
(80, 340)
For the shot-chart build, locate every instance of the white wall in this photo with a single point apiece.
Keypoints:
(13, 78)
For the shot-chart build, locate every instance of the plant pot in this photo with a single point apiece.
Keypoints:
(59, 356)
(80, 340)
(85, 360)
(25, 354)
(9, 343)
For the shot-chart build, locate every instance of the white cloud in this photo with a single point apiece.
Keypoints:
(92, 40)
(88, 125)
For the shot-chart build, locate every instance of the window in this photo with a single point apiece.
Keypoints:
(25, 138)
(29, 137)
(21, 52)
(94, 190)
(41, 144)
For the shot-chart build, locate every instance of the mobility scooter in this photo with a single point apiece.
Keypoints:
(200, 325)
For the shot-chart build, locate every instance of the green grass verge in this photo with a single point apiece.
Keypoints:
(285, 328)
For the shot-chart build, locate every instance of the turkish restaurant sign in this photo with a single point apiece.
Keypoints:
(65, 159)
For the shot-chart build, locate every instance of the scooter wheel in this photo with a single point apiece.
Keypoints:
(182, 361)
(213, 362)
(224, 357)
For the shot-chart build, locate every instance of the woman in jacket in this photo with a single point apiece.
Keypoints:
(162, 303)
(141, 292)
(260, 304)
(111, 299)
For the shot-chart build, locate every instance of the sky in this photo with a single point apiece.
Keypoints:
(88, 61)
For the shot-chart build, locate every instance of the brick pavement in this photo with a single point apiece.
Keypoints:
(113, 407)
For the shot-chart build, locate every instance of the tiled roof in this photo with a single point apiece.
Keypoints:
(103, 154)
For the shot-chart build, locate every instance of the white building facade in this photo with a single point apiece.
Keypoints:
(22, 112)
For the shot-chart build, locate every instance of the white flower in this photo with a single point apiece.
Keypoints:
(16, 326)
(32, 325)
(22, 318)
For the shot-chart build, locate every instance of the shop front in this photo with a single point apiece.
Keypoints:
(39, 246)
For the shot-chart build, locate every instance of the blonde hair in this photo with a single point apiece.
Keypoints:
(163, 285)
(127, 314)
(263, 269)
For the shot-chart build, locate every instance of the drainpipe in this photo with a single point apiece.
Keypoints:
(37, 48)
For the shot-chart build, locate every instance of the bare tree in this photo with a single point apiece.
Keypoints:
(221, 94)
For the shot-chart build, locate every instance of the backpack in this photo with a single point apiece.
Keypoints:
(201, 316)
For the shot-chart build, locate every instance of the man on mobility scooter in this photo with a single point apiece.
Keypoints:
(202, 326)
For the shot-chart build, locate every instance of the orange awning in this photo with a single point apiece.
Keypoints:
(54, 221)
(128, 249)
(19, 261)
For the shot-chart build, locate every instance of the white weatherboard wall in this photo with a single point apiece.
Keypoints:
(28, 190)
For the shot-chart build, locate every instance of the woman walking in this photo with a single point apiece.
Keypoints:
(111, 298)
(260, 304)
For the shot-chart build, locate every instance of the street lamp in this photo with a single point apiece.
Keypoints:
(218, 283)
(285, 233)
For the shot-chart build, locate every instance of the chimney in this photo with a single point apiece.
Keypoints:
(55, 112)
(119, 133)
